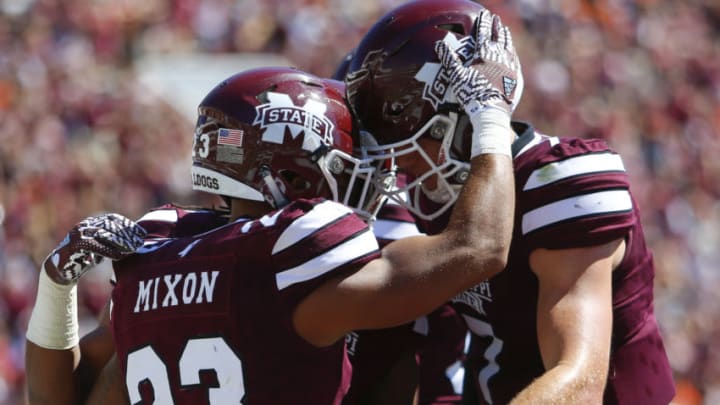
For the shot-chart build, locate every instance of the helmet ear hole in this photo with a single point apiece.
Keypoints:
(396, 108)
(296, 182)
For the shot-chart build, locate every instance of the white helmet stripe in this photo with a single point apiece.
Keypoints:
(217, 183)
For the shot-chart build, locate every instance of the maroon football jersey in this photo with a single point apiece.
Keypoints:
(373, 353)
(207, 318)
(171, 221)
(440, 357)
(569, 193)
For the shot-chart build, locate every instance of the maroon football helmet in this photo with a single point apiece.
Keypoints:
(399, 93)
(277, 134)
(342, 67)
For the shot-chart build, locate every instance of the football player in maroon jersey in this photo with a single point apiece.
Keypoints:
(381, 358)
(256, 311)
(570, 320)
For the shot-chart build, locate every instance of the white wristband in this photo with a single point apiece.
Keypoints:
(54, 319)
(491, 130)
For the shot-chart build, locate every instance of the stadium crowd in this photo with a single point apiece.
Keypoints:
(78, 133)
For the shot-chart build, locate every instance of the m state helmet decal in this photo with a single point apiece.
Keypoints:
(373, 59)
(436, 80)
(280, 112)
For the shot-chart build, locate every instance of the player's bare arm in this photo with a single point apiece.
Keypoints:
(66, 376)
(574, 323)
(60, 367)
(416, 275)
(110, 387)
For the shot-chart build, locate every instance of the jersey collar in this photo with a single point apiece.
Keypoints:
(525, 133)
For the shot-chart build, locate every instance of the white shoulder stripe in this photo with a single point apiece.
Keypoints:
(576, 166)
(421, 326)
(602, 202)
(536, 140)
(165, 215)
(322, 214)
(346, 252)
(394, 230)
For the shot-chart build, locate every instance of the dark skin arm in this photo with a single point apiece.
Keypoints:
(110, 386)
(66, 376)
(51, 374)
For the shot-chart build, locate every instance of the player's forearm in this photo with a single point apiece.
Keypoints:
(482, 218)
(66, 376)
(418, 274)
(55, 373)
(483, 215)
(50, 374)
(110, 386)
(52, 353)
(564, 385)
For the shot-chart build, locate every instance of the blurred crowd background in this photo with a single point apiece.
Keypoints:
(79, 134)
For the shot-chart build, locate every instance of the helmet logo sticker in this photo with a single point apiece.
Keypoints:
(509, 85)
(229, 145)
(281, 113)
(232, 137)
(437, 82)
(373, 60)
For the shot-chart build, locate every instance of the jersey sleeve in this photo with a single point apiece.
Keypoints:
(170, 221)
(160, 222)
(441, 358)
(321, 238)
(578, 196)
(394, 222)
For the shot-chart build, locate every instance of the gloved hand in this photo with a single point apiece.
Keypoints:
(108, 235)
(490, 76)
(485, 83)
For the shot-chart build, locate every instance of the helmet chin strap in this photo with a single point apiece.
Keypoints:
(441, 194)
(279, 199)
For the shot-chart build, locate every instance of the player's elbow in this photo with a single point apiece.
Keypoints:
(489, 245)
(582, 384)
(495, 248)
(487, 253)
(589, 392)
(493, 259)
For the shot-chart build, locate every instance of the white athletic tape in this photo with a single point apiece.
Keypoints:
(54, 319)
(491, 131)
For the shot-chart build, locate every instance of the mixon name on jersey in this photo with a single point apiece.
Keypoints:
(172, 290)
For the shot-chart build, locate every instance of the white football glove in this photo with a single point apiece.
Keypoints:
(486, 84)
(490, 77)
(108, 235)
